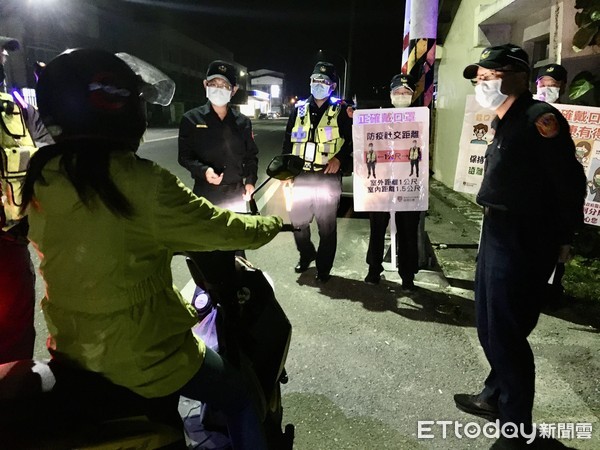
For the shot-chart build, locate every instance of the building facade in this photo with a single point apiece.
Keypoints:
(544, 28)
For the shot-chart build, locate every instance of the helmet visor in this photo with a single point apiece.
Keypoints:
(157, 87)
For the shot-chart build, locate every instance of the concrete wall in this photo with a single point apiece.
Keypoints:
(459, 50)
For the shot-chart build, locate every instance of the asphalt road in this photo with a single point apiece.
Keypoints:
(367, 363)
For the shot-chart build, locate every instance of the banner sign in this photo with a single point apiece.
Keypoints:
(477, 133)
(585, 131)
(391, 159)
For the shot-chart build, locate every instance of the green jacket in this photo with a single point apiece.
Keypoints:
(110, 303)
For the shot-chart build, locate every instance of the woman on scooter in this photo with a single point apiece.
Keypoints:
(106, 224)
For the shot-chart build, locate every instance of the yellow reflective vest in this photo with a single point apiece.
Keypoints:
(326, 137)
(16, 148)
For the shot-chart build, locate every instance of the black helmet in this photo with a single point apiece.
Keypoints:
(85, 93)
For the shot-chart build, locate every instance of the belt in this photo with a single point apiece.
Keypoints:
(490, 211)
(311, 167)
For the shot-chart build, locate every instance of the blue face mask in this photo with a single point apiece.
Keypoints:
(319, 90)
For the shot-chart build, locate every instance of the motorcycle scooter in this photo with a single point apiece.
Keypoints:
(46, 405)
(251, 328)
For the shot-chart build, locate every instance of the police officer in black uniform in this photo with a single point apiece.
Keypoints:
(532, 193)
(402, 88)
(216, 143)
(319, 131)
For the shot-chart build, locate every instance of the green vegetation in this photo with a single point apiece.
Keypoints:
(582, 278)
(582, 275)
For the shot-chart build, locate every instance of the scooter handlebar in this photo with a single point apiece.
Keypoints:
(289, 227)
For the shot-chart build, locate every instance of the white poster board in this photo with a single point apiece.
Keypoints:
(391, 159)
(585, 131)
(476, 134)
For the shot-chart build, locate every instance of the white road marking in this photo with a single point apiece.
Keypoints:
(160, 139)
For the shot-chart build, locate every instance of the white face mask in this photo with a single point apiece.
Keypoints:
(218, 96)
(488, 94)
(319, 90)
(547, 94)
(401, 100)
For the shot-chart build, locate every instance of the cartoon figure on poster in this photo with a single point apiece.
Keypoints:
(414, 155)
(583, 150)
(594, 183)
(371, 161)
(479, 131)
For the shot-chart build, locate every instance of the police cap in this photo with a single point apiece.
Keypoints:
(324, 71)
(403, 80)
(497, 57)
(222, 69)
(556, 71)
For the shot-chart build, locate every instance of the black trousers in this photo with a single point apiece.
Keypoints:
(17, 301)
(515, 260)
(316, 195)
(407, 251)
(371, 169)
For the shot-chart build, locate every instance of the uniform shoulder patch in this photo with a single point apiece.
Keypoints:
(547, 125)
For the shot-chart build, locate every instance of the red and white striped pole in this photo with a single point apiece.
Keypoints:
(421, 58)
(406, 37)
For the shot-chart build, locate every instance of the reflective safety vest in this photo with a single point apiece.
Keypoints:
(16, 149)
(316, 146)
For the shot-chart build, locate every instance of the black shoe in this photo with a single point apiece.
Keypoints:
(323, 277)
(471, 404)
(303, 266)
(372, 278)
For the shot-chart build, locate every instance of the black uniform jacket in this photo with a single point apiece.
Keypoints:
(344, 123)
(227, 146)
(531, 169)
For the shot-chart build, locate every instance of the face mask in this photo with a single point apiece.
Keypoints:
(597, 181)
(218, 96)
(548, 94)
(401, 100)
(488, 94)
(580, 152)
(319, 90)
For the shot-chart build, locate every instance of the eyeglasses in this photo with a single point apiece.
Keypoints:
(215, 84)
(493, 74)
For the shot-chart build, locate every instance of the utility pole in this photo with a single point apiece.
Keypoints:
(421, 54)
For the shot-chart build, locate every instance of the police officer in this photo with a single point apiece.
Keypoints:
(216, 143)
(20, 131)
(402, 88)
(319, 131)
(532, 193)
(551, 83)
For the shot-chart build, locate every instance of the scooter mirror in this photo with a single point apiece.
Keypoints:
(285, 167)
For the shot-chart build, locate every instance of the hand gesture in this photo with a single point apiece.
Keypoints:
(248, 190)
(333, 166)
(212, 177)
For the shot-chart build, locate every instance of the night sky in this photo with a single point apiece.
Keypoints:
(285, 36)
